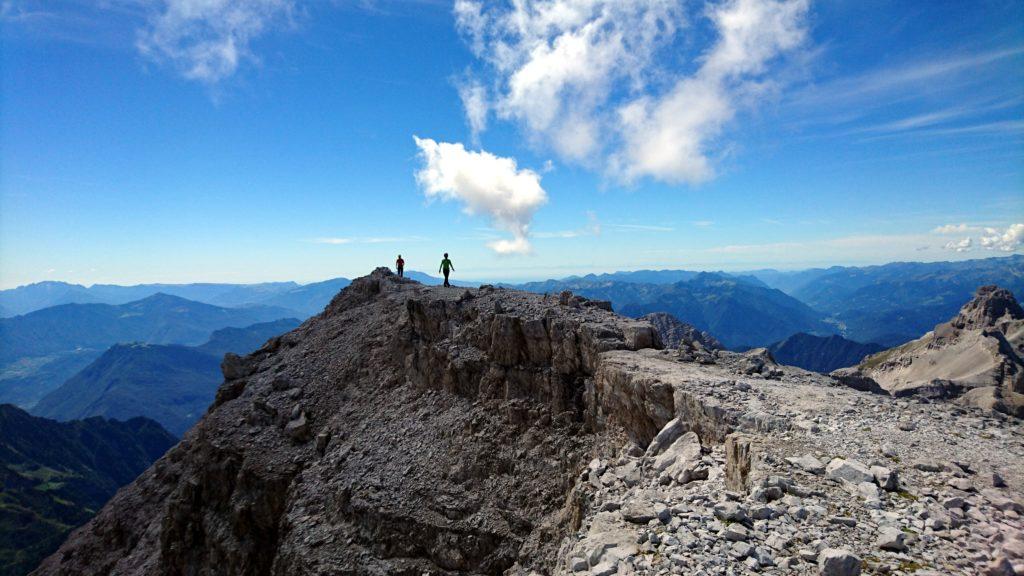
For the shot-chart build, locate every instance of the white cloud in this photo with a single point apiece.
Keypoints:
(485, 184)
(332, 241)
(952, 229)
(959, 245)
(587, 78)
(206, 40)
(476, 105)
(1007, 240)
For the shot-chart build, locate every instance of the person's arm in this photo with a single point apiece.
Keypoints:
(452, 266)
(441, 266)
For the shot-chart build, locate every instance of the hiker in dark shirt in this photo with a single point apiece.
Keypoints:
(446, 267)
(400, 265)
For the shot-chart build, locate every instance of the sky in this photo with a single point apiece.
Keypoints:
(266, 140)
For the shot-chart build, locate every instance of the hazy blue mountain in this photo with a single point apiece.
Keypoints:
(821, 353)
(739, 314)
(639, 276)
(158, 319)
(32, 297)
(55, 476)
(791, 281)
(245, 340)
(307, 300)
(27, 380)
(739, 311)
(898, 302)
(25, 299)
(170, 384)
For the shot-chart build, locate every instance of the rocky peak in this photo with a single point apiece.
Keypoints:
(674, 332)
(412, 429)
(991, 305)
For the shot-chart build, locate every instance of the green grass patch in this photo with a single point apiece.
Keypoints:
(907, 495)
(910, 566)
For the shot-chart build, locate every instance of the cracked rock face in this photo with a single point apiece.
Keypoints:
(975, 358)
(415, 430)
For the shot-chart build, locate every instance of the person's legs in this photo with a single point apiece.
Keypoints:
(446, 278)
(400, 271)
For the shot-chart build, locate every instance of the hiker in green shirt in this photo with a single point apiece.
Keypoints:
(446, 266)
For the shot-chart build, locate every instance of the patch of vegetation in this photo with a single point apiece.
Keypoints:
(910, 566)
(907, 495)
(55, 475)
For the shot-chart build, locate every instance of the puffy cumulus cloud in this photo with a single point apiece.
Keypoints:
(485, 184)
(586, 78)
(206, 40)
(1006, 240)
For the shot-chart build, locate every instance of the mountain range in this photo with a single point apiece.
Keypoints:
(821, 353)
(303, 300)
(171, 384)
(55, 476)
(42, 349)
(412, 429)
(894, 303)
(741, 312)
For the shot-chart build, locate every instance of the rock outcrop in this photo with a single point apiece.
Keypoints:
(413, 430)
(974, 358)
(675, 332)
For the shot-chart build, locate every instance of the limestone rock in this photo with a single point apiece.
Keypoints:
(838, 562)
(850, 471)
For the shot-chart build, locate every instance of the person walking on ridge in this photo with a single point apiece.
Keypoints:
(446, 266)
(400, 266)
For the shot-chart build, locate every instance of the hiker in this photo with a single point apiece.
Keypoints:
(400, 265)
(446, 266)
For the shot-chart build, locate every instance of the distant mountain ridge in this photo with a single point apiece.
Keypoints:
(741, 312)
(159, 319)
(171, 384)
(41, 350)
(894, 303)
(821, 353)
(55, 476)
(307, 299)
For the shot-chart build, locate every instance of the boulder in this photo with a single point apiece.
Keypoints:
(668, 434)
(850, 471)
(808, 463)
(885, 478)
(838, 562)
(892, 539)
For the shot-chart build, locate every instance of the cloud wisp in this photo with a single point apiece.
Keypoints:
(587, 80)
(486, 185)
(207, 40)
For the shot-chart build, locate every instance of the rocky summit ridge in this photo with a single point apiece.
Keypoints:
(975, 358)
(425, 430)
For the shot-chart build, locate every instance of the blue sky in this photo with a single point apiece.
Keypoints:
(221, 140)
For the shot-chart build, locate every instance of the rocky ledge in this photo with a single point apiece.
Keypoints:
(424, 430)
